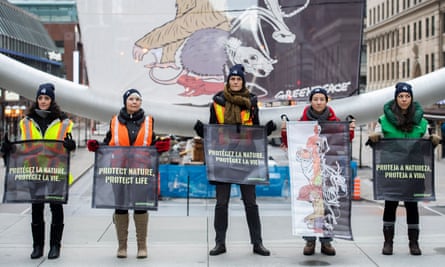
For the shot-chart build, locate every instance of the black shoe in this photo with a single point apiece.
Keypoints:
(54, 252)
(260, 250)
(37, 252)
(217, 250)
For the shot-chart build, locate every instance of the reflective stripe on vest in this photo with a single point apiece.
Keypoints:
(120, 133)
(30, 131)
(219, 111)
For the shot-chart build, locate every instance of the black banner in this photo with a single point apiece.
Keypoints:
(37, 171)
(403, 170)
(236, 154)
(126, 178)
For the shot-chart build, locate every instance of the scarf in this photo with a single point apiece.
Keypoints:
(313, 116)
(235, 102)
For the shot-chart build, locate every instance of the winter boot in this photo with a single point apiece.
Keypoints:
(388, 234)
(141, 223)
(413, 236)
(309, 248)
(121, 223)
(38, 236)
(327, 248)
(55, 241)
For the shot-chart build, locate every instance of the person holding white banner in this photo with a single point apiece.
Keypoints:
(131, 127)
(402, 118)
(318, 110)
(236, 105)
(45, 120)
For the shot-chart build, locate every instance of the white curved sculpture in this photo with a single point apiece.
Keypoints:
(96, 104)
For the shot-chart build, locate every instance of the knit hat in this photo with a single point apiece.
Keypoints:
(318, 90)
(130, 92)
(403, 87)
(237, 70)
(46, 89)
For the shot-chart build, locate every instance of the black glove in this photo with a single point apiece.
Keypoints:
(199, 128)
(6, 145)
(69, 143)
(270, 127)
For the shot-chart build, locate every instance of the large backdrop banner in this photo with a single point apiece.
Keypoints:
(236, 154)
(37, 171)
(403, 170)
(126, 178)
(320, 178)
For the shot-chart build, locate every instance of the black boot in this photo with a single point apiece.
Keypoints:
(413, 235)
(38, 236)
(55, 239)
(260, 250)
(218, 249)
(388, 234)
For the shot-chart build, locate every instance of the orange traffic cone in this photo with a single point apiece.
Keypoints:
(356, 193)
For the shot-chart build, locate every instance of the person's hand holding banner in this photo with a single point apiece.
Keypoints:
(6, 145)
(199, 128)
(373, 138)
(270, 127)
(163, 144)
(435, 139)
(69, 143)
(92, 145)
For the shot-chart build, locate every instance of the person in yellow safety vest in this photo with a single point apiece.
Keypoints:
(45, 120)
(236, 105)
(131, 127)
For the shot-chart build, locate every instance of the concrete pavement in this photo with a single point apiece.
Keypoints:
(176, 239)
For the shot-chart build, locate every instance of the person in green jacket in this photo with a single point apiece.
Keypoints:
(402, 118)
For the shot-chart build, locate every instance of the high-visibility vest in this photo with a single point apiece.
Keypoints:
(246, 119)
(119, 133)
(57, 130)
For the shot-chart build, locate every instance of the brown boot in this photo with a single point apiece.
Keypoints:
(309, 248)
(388, 234)
(327, 248)
(413, 235)
(141, 223)
(121, 223)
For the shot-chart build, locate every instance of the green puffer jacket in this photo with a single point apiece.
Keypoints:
(390, 127)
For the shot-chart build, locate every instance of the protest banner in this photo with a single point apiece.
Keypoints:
(37, 171)
(236, 154)
(126, 177)
(319, 165)
(403, 170)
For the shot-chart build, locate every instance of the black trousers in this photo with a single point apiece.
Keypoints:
(248, 195)
(56, 212)
(412, 212)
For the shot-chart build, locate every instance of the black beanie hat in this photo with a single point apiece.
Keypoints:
(46, 89)
(403, 87)
(318, 90)
(237, 70)
(129, 92)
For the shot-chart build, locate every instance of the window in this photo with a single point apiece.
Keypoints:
(414, 31)
(432, 26)
(407, 34)
(432, 62)
(403, 35)
(427, 27)
(408, 68)
(427, 63)
(420, 30)
(392, 70)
